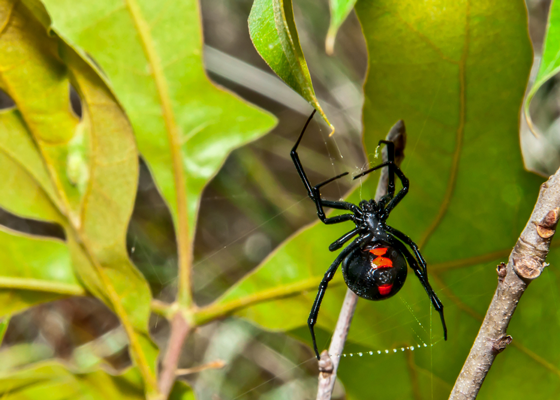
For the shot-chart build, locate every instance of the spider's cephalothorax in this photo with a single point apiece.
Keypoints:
(374, 265)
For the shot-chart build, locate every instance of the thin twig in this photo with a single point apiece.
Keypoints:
(217, 364)
(526, 262)
(179, 332)
(328, 364)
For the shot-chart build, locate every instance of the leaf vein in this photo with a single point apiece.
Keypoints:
(182, 226)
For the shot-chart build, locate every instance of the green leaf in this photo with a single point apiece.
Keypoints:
(184, 126)
(4, 323)
(273, 31)
(339, 12)
(83, 174)
(54, 381)
(34, 270)
(550, 60)
(181, 391)
(442, 69)
(27, 189)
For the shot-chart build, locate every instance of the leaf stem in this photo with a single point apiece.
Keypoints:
(162, 308)
(7, 282)
(526, 262)
(215, 311)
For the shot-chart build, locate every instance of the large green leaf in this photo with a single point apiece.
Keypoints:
(34, 270)
(274, 34)
(53, 381)
(550, 59)
(456, 73)
(184, 125)
(80, 174)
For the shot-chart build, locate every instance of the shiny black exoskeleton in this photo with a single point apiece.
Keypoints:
(374, 264)
(375, 273)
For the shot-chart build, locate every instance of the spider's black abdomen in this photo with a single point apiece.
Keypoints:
(375, 272)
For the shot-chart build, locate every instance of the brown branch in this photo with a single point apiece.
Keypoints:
(328, 364)
(526, 262)
(180, 329)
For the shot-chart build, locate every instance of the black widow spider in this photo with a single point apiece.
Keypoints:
(373, 265)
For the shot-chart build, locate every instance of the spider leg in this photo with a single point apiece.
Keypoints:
(391, 176)
(404, 238)
(314, 191)
(324, 284)
(337, 219)
(340, 242)
(391, 181)
(342, 205)
(404, 180)
(400, 195)
(339, 205)
(424, 281)
(295, 157)
(384, 164)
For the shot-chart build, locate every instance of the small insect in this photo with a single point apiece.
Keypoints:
(374, 264)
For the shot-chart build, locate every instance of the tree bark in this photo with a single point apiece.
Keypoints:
(526, 262)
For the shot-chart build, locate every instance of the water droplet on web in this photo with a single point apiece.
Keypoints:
(387, 351)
